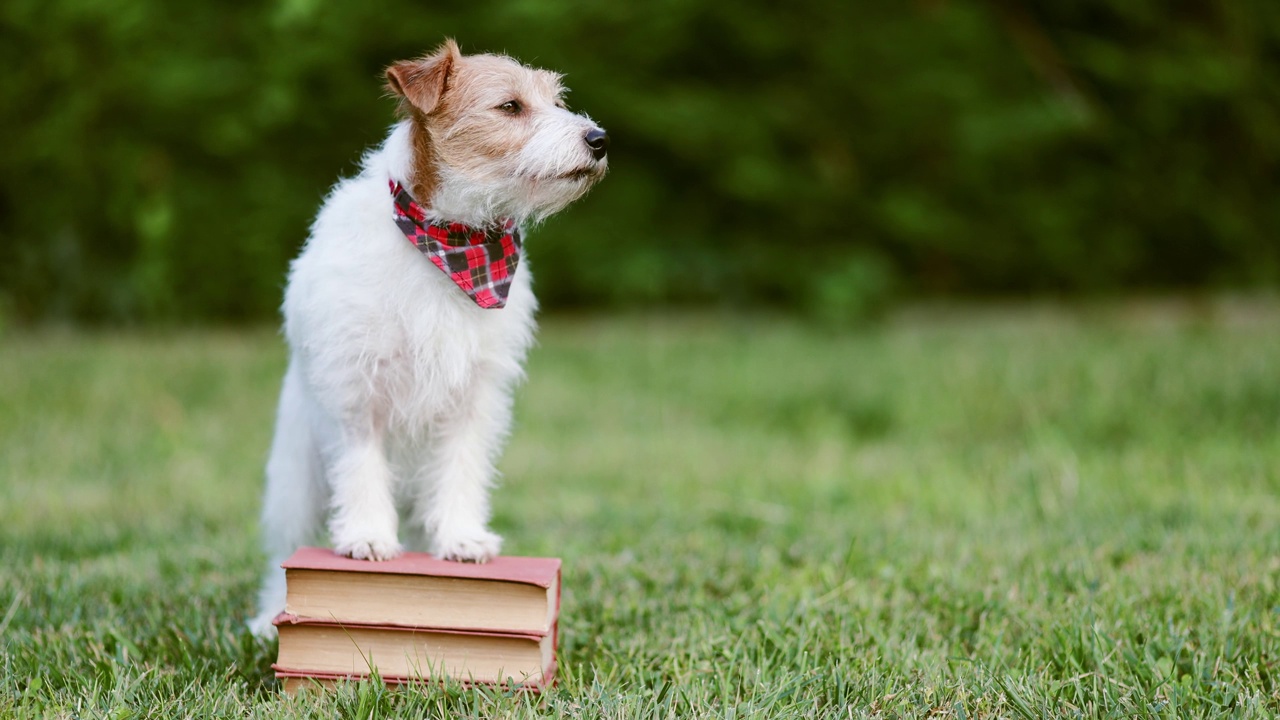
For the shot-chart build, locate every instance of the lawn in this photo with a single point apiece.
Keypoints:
(980, 512)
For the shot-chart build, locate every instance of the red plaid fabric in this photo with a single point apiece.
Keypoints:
(481, 261)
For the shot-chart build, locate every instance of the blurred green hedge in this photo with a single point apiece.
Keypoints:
(162, 160)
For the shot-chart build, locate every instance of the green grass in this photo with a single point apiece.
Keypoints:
(1044, 512)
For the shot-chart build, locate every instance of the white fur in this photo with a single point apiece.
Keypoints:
(398, 390)
(524, 184)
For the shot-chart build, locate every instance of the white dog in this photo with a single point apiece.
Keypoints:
(408, 315)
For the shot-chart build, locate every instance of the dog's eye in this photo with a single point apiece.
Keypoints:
(511, 107)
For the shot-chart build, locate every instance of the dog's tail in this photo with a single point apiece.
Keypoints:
(294, 505)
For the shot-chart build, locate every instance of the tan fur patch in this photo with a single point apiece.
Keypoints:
(420, 83)
(469, 129)
(474, 115)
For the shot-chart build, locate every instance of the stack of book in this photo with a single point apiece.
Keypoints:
(418, 618)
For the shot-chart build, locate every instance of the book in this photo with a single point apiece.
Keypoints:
(507, 594)
(417, 618)
(332, 651)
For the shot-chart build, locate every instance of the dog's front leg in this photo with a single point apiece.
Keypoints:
(364, 523)
(454, 503)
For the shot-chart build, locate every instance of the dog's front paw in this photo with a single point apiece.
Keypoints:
(476, 546)
(369, 549)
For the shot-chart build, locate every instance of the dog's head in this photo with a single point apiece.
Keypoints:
(493, 138)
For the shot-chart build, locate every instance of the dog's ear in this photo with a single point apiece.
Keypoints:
(422, 82)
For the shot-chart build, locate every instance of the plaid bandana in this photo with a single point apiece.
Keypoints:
(480, 261)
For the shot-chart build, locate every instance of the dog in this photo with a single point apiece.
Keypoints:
(409, 313)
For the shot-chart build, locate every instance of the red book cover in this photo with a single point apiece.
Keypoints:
(542, 572)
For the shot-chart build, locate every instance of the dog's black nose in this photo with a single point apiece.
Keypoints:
(598, 140)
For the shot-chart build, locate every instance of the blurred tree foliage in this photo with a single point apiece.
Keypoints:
(162, 160)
